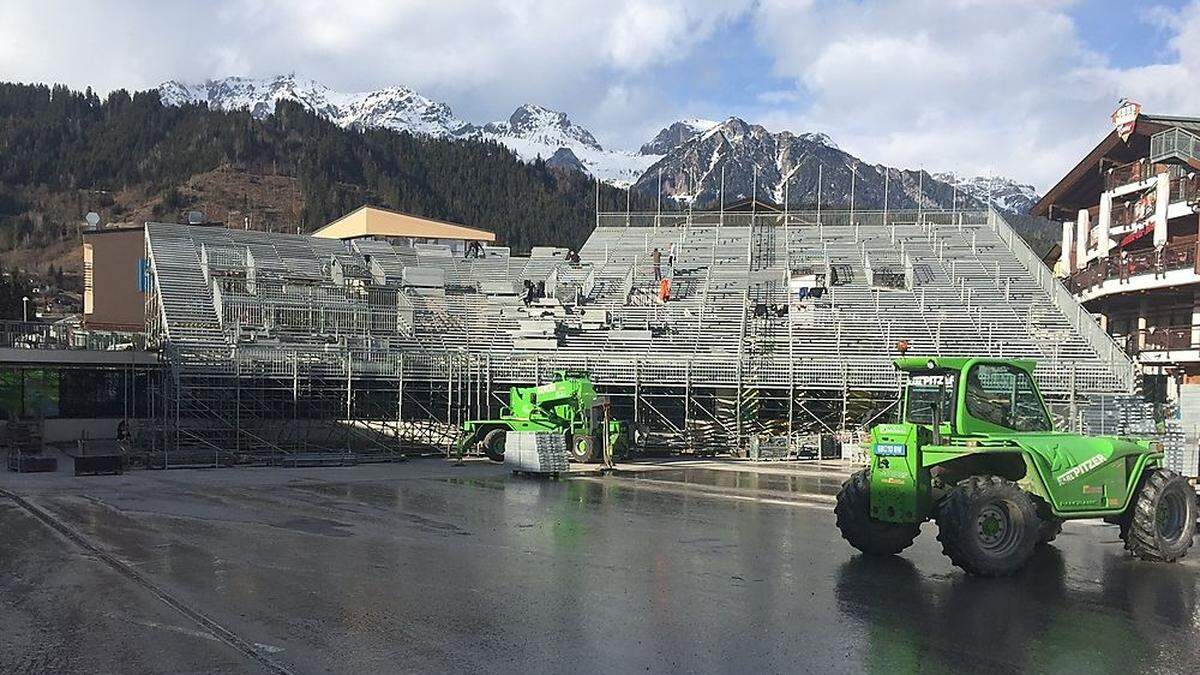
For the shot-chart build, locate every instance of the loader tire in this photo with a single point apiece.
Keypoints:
(1162, 519)
(493, 444)
(872, 537)
(583, 449)
(988, 526)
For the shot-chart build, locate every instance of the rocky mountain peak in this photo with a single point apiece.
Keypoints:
(543, 125)
(676, 134)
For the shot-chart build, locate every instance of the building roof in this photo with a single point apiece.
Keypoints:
(123, 227)
(369, 221)
(1083, 184)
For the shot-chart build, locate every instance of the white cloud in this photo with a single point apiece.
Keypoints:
(964, 84)
(946, 84)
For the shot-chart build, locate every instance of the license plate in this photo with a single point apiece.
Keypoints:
(890, 450)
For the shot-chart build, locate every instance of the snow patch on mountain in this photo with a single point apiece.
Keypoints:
(1004, 193)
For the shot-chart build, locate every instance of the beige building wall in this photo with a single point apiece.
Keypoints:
(112, 265)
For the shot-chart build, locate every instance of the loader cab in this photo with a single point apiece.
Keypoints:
(951, 396)
(929, 401)
(1000, 397)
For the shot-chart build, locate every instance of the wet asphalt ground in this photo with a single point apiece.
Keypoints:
(424, 567)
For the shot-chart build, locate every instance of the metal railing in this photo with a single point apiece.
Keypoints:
(1169, 338)
(1104, 345)
(1137, 171)
(1174, 143)
(1180, 254)
(1160, 338)
(35, 335)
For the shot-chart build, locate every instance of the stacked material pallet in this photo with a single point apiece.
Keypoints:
(1186, 459)
(1182, 457)
(541, 452)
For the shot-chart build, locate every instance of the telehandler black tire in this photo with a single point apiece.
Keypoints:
(493, 444)
(864, 533)
(988, 526)
(1162, 518)
(582, 450)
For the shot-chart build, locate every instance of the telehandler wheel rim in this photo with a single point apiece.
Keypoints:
(1172, 512)
(997, 535)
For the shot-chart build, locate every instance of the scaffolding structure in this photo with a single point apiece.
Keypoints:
(752, 326)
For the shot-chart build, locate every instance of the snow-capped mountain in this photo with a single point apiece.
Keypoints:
(531, 131)
(396, 108)
(690, 152)
(1006, 194)
(734, 160)
(536, 124)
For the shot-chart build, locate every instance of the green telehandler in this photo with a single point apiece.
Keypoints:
(976, 452)
(567, 404)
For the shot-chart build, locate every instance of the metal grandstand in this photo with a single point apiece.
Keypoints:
(285, 347)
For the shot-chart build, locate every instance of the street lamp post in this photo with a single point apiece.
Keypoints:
(25, 307)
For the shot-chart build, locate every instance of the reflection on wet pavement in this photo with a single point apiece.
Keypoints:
(801, 484)
(476, 569)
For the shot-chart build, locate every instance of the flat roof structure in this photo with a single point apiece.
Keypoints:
(369, 221)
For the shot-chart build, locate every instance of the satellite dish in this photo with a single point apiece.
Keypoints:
(92, 218)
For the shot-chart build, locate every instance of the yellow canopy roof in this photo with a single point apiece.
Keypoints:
(368, 221)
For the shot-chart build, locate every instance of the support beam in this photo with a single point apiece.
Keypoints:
(1105, 224)
(1067, 247)
(1082, 230)
(1162, 199)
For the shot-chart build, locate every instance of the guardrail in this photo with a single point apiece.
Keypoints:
(35, 335)
(1104, 345)
(1178, 255)
(1174, 143)
(1138, 171)
(1162, 338)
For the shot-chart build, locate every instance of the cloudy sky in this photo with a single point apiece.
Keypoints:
(1013, 87)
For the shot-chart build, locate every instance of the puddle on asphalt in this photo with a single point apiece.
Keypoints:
(1118, 624)
(320, 526)
(744, 480)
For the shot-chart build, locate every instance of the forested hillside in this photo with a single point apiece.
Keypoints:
(63, 153)
(131, 158)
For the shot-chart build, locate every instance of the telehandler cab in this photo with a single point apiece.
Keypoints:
(975, 451)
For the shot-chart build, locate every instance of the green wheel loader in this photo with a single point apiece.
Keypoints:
(567, 404)
(975, 452)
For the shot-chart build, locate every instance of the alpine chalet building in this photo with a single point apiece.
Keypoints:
(1129, 244)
